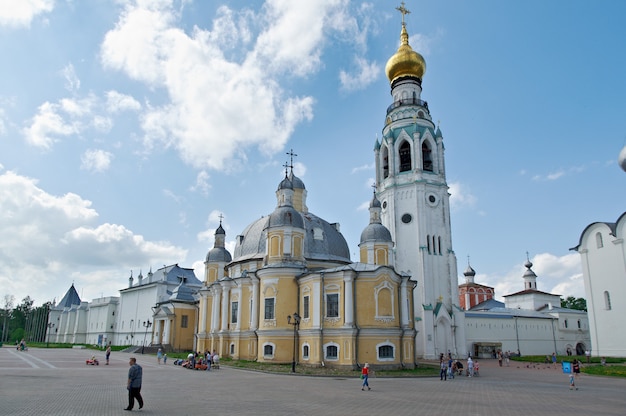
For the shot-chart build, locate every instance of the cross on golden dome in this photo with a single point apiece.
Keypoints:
(403, 10)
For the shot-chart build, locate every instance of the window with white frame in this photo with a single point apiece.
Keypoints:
(268, 350)
(331, 351)
(269, 308)
(332, 305)
(305, 307)
(234, 309)
(385, 352)
(305, 351)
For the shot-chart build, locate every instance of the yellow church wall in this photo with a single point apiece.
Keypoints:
(182, 338)
(212, 274)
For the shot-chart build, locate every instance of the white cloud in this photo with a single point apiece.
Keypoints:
(202, 184)
(371, 166)
(96, 160)
(364, 74)
(47, 124)
(559, 275)
(16, 13)
(118, 102)
(460, 196)
(44, 238)
(72, 83)
(224, 84)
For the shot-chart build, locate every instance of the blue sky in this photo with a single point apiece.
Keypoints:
(128, 127)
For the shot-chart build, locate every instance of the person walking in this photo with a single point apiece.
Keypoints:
(134, 384)
(164, 358)
(443, 373)
(470, 367)
(365, 373)
(159, 355)
(107, 354)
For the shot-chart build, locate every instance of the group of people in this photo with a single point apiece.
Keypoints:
(450, 367)
(200, 361)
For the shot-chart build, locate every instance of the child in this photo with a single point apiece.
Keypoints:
(572, 384)
(164, 358)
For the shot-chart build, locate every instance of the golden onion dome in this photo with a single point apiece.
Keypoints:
(405, 62)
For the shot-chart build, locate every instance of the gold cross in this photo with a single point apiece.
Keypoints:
(402, 10)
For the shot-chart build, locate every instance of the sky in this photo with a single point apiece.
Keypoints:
(127, 127)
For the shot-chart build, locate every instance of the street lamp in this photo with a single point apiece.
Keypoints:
(146, 324)
(295, 321)
(50, 326)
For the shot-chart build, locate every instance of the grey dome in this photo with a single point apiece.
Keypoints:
(218, 254)
(469, 271)
(377, 232)
(296, 182)
(285, 184)
(330, 244)
(285, 216)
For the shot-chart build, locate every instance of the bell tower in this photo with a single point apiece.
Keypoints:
(415, 207)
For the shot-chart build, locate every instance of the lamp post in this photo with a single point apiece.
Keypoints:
(146, 324)
(50, 326)
(295, 321)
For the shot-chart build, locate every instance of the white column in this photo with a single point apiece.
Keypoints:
(215, 314)
(225, 293)
(205, 306)
(349, 302)
(254, 316)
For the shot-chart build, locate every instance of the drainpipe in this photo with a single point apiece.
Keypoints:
(356, 325)
(322, 319)
(517, 335)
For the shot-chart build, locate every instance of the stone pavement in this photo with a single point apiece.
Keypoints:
(57, 382)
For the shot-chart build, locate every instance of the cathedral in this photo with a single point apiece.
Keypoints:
(291, 293)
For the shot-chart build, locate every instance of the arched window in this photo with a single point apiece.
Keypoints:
(565, 323)
(414, 97)
(268, 351)
(428, 242)
(305, 351)
(405, 157)
(427, 160)
(607, 300)
(579, 324)
(385, 162)
(439, 244)
(599, 243)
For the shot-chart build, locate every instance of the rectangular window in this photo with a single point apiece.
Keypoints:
(184, 321)
(332, 305)
(331, 352)
(305, 307)
(234, 308)
(269, 308)
(385, 351)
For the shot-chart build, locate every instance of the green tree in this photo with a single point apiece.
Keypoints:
(574, 303)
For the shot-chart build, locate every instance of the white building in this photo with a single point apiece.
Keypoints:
(530, 322)
(135, 316)
(411, 186)
(101, 320)
(603, 256)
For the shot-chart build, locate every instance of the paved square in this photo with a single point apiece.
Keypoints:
(57, 382)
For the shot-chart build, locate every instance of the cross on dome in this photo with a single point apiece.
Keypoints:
(403, 10)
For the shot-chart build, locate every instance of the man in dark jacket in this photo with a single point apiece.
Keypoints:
(134, 384)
